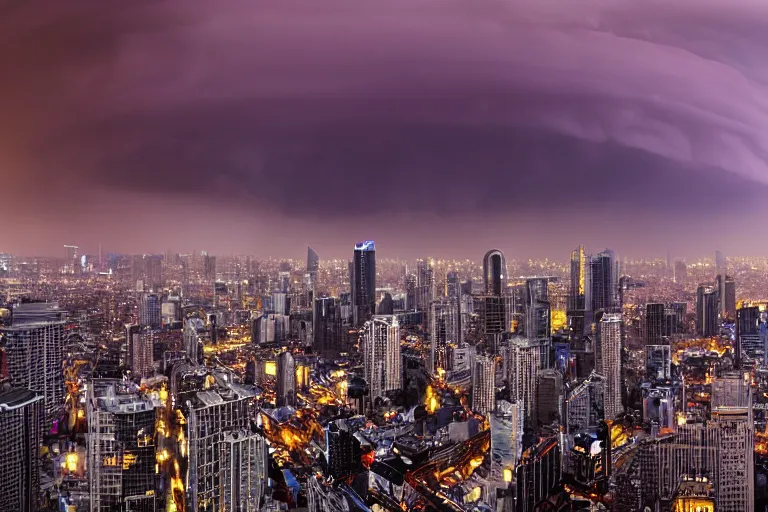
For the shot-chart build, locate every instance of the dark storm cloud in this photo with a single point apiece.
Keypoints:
(417, 106)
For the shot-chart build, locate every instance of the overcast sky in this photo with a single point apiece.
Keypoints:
(435, 127)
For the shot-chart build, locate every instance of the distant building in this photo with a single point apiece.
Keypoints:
(659, 362)
(150, 309)
(444, 331)
(549, 398)
(21, 414)
(522, 360)
(326, 327)
(654, 323)
(313, 262)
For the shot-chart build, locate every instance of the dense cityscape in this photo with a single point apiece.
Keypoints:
(200, 382)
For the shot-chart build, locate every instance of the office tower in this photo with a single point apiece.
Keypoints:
(506, 424)
(149, 310)
(580, 294)
(380, 344)
(680, 309)
(538, 475)
(140, 344)
(342, 450)
(21, 414)
(281, 303)
(209, 267)
(749, 339)
(270, 328)
(194, 332)
(483, 384)
(494, 272)
(153, 272)
(654, 323)
(444, 330)
(213, 415)
(364, 282)
(326, 326)
(732, 389)
(612, 364)
(121, 448)
(170, 311)
(490, 310)
(671, 326)
(658, 362)
(313, 262)
(537, 309)
(604, 274)
(522, 360)
(586, 404)
(386, 305)
(549, 398)
(706, 311)
(730, 297)
(34, 352)
(720, 268)
(452, 285)
(284, 281)
(286, 379)
(735, 487)
(244, 460)
(425, 285)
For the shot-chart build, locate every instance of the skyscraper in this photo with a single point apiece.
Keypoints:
(735, 431)
(483, 384)
(444, 330)
(748, 340)
(140, 351)
(121, 448)
(209, 267)
(654, 323)
(70, 253)
(706, 311)
(364, 281)
(286, 379)
(604, 274)
(522, 359)
(549, 398)
(580, 294)
(34, 351)
(150, 309)
(537, 309)
(153, 271)
(380, 344)
(313, 261)
(21, 414)
(326, 326)
(425, 285)
(494, 272)
(612, 364)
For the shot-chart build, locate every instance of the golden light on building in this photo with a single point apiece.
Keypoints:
(507, 475)
(71, 460)
(559, 319)
(270, 368)
(302, 376)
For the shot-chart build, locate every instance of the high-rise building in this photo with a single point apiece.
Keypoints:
(732, 389)
(580, 294)
(706, 311)
(444, 330)
(494, 272)
(483, 384)
(286, 379)
(735, 487)
(425, 285)
(506, 424)
(281, 303)
(140, 350)
(209, 268)
(604, 274)
(586, 404)
(537, 311)
(380, 344)
(313, 261)
(549, 398)
(218, 421)
(612, 364)
(654, 323)
(364, 282)
(194, 333)
(34, 352)
(121, 448)
(386, 305)
(150, 309)
(659, 406)
(452, 285)
(21, 414)
(70, 254)
(730, 297)
(153, 271)
(749, 342)
(342, 449)
(326, 326)
(522, 360)
(681, 272)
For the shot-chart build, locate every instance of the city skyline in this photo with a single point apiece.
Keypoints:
(498, 122)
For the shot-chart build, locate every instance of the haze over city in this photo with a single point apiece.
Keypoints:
(531, 126)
